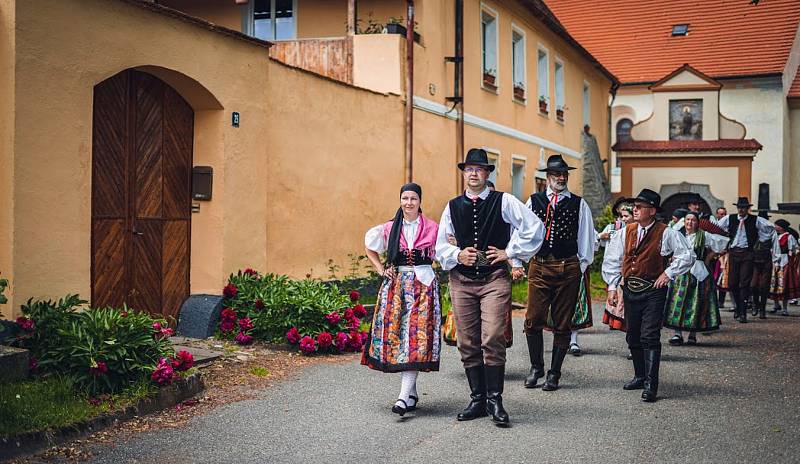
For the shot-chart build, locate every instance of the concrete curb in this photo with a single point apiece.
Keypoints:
(33, 442)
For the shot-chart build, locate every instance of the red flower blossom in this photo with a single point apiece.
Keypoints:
(308, 345)
(348, 314)
(251, 272)
(293, 335)
(333, 318)
(123, 313)
(245, 324)
(259, 304)
(359, 310)
(325, 340)
(243, 339)
(227, 326)
(228, 314)
(157, 326)
(33, 365)
(341, 341)
(355, 296)
(230, 291)
(354, 341)
(163, 373)
(98, 368)
(364, 337)
(95, 401)
(25, 324)
(354, 324)
(183, 361)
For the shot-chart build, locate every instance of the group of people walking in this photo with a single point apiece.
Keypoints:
(657, 275)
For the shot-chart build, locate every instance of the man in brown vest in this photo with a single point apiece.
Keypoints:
(639, 260)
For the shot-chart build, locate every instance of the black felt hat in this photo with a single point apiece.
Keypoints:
(477, 157)
(556, 163)
(743, 202)
(783, 223)
(694, 198)
(648, 196)
(680, 213)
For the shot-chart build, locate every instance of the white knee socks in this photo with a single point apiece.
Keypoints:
(408, 387)
(573, 337)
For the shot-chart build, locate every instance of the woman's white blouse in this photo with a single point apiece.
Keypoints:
(374, 241)
(714, 242)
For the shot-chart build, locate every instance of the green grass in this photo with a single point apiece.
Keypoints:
(259, 371)
(519, 289)
(53, 402)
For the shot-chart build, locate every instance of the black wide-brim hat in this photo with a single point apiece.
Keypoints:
(742, 202)
(556, 163)
(694, 198)
(650, 197)
(783, 223)
(620, 201)
(477, 157)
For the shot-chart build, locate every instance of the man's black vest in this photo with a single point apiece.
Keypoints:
(749, 228)
(562, 223)
(480, 224)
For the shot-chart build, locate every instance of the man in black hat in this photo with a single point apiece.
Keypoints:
(490, 228)
(638, 258)
(554, 274)
(746, 231)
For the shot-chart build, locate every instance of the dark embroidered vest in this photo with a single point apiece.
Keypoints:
(480, 224)
(562, 223)
(749, 228)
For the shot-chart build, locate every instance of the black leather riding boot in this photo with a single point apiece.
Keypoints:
(637, 383)
(495, 376)
(756, 296)
(536, 353)
(652, 360)
(476, 376)
(554, 374)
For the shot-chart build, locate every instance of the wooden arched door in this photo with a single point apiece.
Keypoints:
(141, 194)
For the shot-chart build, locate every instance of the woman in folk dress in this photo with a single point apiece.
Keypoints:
(405, 333)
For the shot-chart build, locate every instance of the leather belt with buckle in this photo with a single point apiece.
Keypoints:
(637, 284)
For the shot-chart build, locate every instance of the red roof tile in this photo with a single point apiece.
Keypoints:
(794, 90)
(688, 145)
(727, 38)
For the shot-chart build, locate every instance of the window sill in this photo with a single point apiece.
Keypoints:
(544, 114)
(560, 120)
(520, 101)
(490, 88)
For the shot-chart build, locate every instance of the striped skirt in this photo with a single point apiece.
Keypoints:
(692, 305)
(406, 327)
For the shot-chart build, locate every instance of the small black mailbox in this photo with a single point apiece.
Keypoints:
(202, 177)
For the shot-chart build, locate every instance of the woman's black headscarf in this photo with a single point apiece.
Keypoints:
(397, 224)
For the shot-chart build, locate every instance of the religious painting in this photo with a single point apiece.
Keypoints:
(686, 119)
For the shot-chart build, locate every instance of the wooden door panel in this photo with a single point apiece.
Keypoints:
(146, 262)
(177, 155)
(175, 270)
(108, 258)
(109, 135)
(148, 140)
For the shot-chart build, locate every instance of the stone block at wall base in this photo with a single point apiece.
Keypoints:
(199, 316)
(13, 363)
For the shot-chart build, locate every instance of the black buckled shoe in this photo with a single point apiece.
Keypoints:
(400, 410)
(554, 374)
(637, 383)
(476, 408)
(495, 376)
(652, 360)
(535, 352)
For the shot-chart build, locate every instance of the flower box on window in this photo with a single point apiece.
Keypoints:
(489, 78)
(560, 114)
(542, 105)
(519, 91)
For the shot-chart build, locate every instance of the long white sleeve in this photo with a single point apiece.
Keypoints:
(528, 234)
(717, 243)
(446, 254)
(612, 259)
(683, 256)
(766, 229)
(587, 236)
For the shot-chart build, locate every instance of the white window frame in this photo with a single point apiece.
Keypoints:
(543, 78)
(523, 43)
(493, 155)
(249, 25)
(587, 103)
(485, 9)
(559, 64)
(517, 160)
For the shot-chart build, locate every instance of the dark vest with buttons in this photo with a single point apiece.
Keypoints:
(563, 224)
(480, 224)
(749, 229)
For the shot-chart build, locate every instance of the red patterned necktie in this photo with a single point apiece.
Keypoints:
(549, 216)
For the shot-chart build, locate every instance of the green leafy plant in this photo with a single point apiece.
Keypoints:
(3, 287)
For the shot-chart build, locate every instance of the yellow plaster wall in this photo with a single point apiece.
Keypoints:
(53, 133)
(321, 18)
(227, 13)
(7, 101)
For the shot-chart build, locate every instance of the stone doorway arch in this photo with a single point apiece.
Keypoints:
(675, 196)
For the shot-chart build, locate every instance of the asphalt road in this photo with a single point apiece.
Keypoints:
(733, 399)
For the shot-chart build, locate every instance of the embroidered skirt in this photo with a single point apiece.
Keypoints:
(786, 280)
(721, 277)
(406, 327)
(692, 305)
(583, 308)
(614, 316)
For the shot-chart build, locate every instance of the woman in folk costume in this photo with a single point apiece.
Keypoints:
(786, 272)
(405, 334)
(614, 317)
(692, 297)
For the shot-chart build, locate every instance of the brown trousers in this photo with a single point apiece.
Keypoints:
(553, 286)
(481, 307)
(762, 271)
(740, 272)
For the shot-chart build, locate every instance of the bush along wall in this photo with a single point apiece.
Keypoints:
(315, 316)
(106, 350)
